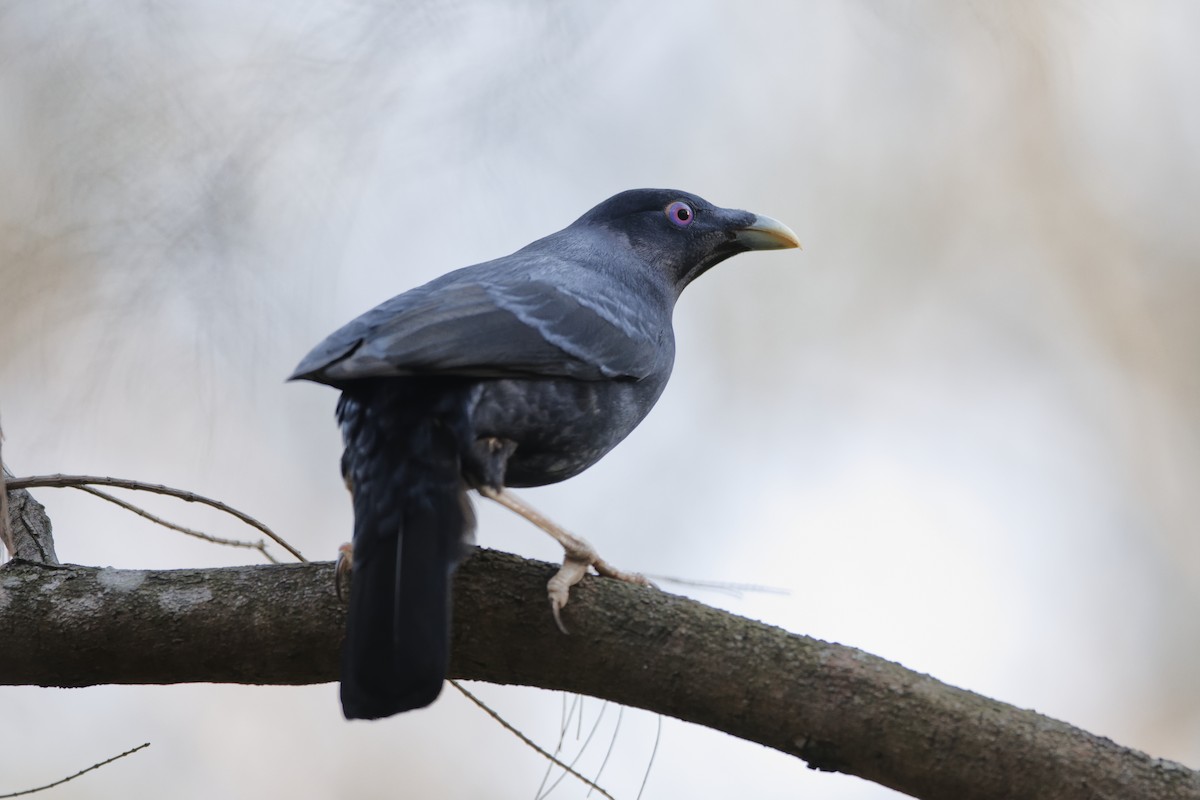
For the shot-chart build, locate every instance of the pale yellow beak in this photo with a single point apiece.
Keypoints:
(766, 233)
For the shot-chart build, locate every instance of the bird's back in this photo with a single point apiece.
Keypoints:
(555, 309)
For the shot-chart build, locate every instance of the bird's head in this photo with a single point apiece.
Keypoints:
(682, 235)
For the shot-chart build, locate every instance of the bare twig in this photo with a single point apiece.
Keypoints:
(61, 781)
(564, 723)
(611, 744)
(528, 742)
(582, 749)
(260, 545)
(731, 589)
(653, 753)
(80, 481)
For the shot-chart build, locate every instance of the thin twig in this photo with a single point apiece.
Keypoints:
(611, 744)
(653, 753)
(582, 749)
(78, 481)
(260, 545)
(61, 781)
(732, 589)
(564, 724)
(528, 742)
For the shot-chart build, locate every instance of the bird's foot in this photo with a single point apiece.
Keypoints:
(578, 555)
(343, 569)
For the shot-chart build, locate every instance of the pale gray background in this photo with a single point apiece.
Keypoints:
(961, 427)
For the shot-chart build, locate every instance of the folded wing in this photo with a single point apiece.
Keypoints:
(482, 328)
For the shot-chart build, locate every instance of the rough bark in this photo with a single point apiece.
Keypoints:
(833, 706)
(28, 535)
(25, 530)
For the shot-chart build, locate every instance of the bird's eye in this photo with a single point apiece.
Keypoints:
(680, 213)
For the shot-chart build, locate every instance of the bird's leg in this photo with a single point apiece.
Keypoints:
(578, 554)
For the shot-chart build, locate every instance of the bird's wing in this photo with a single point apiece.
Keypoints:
(490, 328)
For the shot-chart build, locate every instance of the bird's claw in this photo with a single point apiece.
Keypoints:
(559, 587)
(343, 569)
(576, 561)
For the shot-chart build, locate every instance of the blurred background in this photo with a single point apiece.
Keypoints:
(961, 428)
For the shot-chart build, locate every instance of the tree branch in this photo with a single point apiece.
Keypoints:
(29, 533)
(60, 481)
(25, 530)
(836, 707)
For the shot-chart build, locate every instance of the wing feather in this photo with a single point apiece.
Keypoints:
(489, 328)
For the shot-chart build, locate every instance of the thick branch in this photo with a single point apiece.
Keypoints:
(835, 707)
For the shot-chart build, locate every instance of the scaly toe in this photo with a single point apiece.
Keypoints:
(559, 587)
(609, 571)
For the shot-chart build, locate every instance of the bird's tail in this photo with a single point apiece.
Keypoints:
(411, 516)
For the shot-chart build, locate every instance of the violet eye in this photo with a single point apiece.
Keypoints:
(680, 213)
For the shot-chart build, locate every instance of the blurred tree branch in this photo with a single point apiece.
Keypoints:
(837, 708)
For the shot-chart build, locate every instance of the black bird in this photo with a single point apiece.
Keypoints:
(522, 371)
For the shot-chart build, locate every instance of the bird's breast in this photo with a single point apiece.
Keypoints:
(560, 426)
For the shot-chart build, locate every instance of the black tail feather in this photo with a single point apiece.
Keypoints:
(402, 465)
